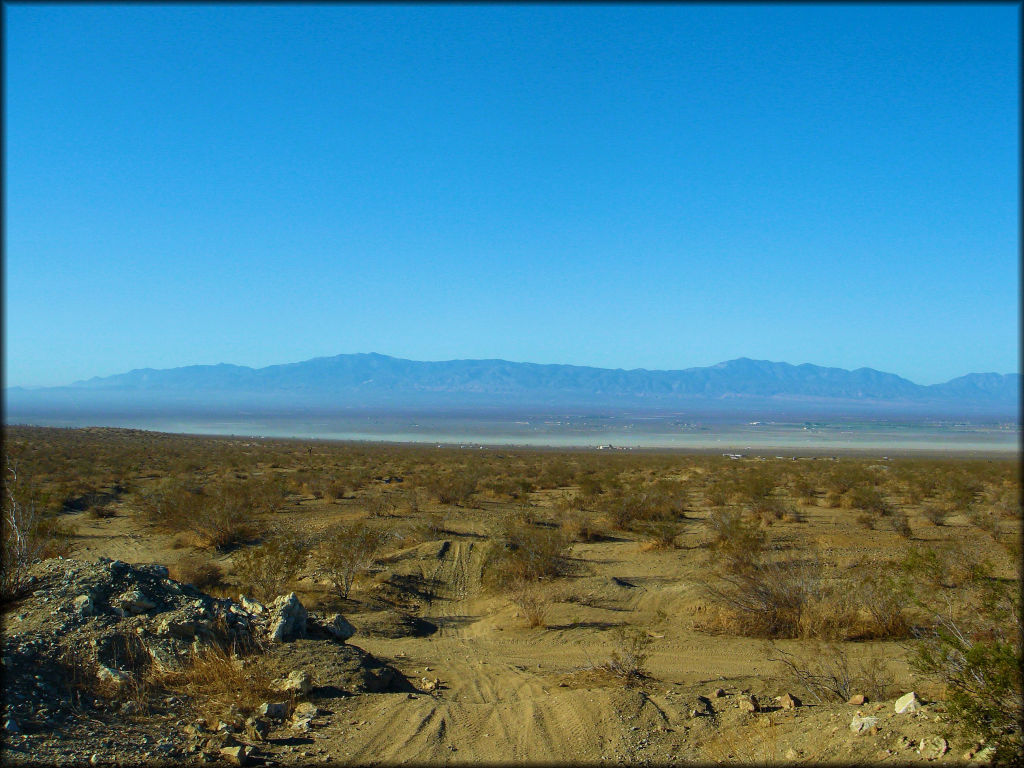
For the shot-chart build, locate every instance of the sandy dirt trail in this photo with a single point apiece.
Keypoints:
(497, 703)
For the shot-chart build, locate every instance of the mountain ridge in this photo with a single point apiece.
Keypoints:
(366, 378)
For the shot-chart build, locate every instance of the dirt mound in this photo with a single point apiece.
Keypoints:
(78, 650)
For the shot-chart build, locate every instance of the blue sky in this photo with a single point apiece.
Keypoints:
(658, 186)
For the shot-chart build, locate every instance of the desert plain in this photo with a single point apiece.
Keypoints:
(504, 605)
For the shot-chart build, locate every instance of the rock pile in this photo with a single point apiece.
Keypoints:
(97, 626)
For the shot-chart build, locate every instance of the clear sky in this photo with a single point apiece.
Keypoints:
(657, 186)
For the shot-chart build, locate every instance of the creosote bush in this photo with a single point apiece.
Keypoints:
(347, 551)
(525, 551)
(264, 572)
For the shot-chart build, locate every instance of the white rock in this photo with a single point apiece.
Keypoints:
(297, 682)
(115, 676)
(863, 724)
(907, 703)
(933, 747)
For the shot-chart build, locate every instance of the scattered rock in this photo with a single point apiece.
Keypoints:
(985, 755)
(861, 725)
(237, 755)
(257, 729)
(11, 725)
(749, 703)
(252, 606)
(84, 606)
(858, 700)
(718, 693)
(305, 711)
(297, 682)
(702, 708)
(789, 701)
(908, 703)
(933, 747)
(276, 710)
(429, 685)
(134, 602)
(115, 676)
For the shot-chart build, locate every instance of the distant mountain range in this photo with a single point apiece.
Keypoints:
(374, 380)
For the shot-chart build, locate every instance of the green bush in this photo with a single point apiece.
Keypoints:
(978, 659)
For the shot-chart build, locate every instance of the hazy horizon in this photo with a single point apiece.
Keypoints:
(655, 187)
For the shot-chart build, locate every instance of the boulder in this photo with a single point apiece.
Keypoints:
(252, 606)
(932, 747)
(861, 725)
(237, 755)
(789, 701)
(84, 605)
(718, 693)
(857, 700)
(338, 627)
(749, 703)
(907, 703)
(134, 602)
(297, 682)
(115, 676)
(275, 710)
(287, 619)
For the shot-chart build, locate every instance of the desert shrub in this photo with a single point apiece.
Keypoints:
(579, 525)
(626, 509)
(737, 541)
(263, 572)
(768, 509)
(102, 511)
(833, 499)
(378, 504)
(804, 489)
(201, 573)
(454, 488)
(867, 520)
(531, 600)
(868, 499)
(881, 602)
(901, 524)
(716, 494)
(985, 521)
(844, 476)
(756, 485)
(824, 671)
(961, 490)
(218, 681)
(1004, 502)
(525, 552)
(978, 659)
(935, 513)
(791, 597)
(769, 598)
(216, 515)
(348, 550)
(628, 661)
(27, 532)
(590, 485)
(946, 566)
(660, 534)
